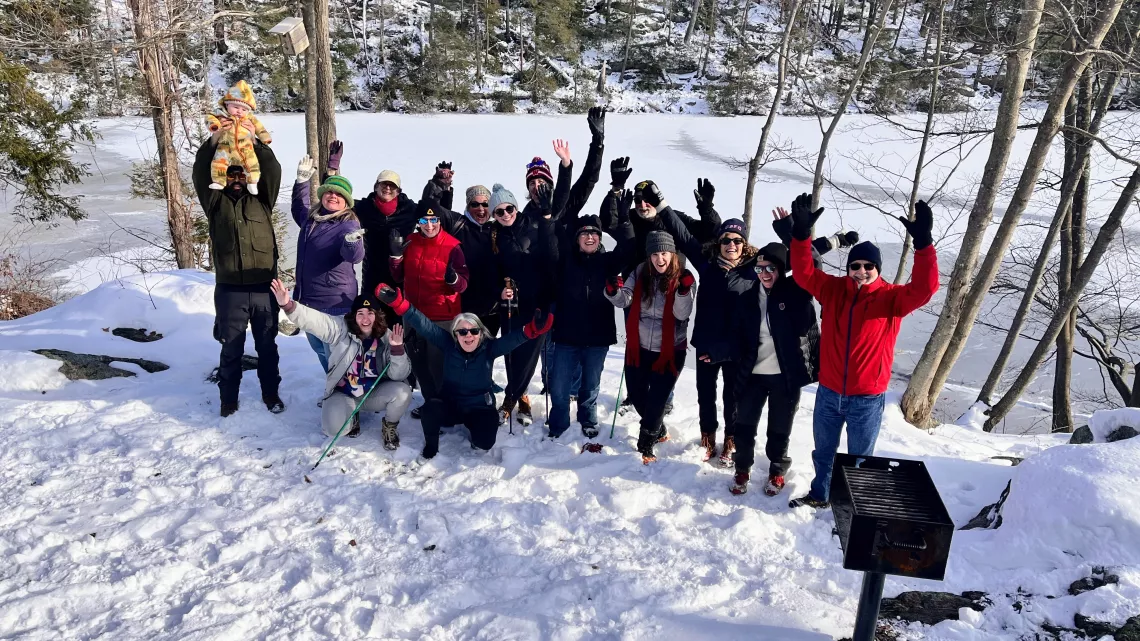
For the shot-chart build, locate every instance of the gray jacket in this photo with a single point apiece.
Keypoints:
(650, 324)
(345, 346)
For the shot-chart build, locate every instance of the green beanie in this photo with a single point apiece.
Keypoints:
(338, 184)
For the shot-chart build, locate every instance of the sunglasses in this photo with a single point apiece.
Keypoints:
(474, 204)
(463, 331)
(858, 265)
(505, 211)
(429, 221)
(387, 187)
(731, 241)
(638, 199)
(771, 269)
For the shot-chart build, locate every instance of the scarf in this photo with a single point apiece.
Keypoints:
(665, 362)
(362, 374)
(726, 264)
(319, 217)
(388, 208)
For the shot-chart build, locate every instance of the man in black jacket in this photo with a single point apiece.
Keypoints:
(473, 230)
(243, 250)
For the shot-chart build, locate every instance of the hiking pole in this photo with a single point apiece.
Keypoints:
(354, 412)
(510, 284)
(617, 402)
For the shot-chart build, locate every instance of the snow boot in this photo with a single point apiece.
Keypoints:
(808, 500)
(391, 435)
(524, 416)
(228, 409)
(273, 403)
(708, 442)
(739, 483)
(417, 412)
(505, 411)
(774, 486)
(726, 454)
(647, 456)
(590, 431)
(354, 430)
(668, 408)
(625, 406)
(251, 188)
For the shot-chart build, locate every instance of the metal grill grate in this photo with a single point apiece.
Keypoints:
(892, 493)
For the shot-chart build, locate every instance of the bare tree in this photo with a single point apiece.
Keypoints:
(693, 21)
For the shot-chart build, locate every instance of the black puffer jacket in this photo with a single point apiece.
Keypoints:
(792, 322)
(704, 229)
(523, 253)
(569, 200)
(376, 253)
(585, 315)
(484, 284)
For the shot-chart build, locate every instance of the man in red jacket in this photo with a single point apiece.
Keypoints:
(862, 315)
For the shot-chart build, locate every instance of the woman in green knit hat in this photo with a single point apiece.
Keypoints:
(328, 245)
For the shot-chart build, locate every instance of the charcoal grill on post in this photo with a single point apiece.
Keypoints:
(890, 520)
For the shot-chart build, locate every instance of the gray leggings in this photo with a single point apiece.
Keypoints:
(390, 397)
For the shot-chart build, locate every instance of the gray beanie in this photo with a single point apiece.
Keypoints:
(476, 191)
(500, 195)
(659, 241)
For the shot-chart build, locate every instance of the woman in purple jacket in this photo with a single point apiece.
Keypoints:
(328, 245)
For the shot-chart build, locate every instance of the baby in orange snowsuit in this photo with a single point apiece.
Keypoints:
(238, 126)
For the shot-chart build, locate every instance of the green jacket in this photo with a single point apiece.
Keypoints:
(243, 246)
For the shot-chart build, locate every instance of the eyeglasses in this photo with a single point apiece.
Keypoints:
(464, 331)
(859, 265)
(476, 204)
(771, 269)
(429, 221)
(731, 241)
(505, 211)
(387, 187)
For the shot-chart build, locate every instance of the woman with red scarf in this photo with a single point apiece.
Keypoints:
(659, 295)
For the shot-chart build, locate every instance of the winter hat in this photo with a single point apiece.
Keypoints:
(774, 253)
(388, 176)
(240, 92)
(366, 301)
(537, 168)
(733, 225)
(500, 195)
(867, 251)
(477, 191)
(659, 241)
(336, 184)
(428, 207)
(590, 223)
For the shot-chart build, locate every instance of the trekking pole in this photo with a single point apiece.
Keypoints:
(354, 412)
(510, 284)
(617, 402)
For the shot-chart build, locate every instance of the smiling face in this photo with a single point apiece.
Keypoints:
(386, 191)
(661, 260)
(480, 209)
(506, 214)
(731, 246)
(862, 272)
(470, 342)
(365, 319)
(767, 272)
(589, 242)
(333, 202)
(429, 226)
(644, 209)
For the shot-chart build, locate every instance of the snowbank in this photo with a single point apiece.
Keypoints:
(28, 372)
(1105, 422)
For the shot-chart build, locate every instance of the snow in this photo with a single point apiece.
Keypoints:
(128, 508)
(1105, 422)
(27, 372)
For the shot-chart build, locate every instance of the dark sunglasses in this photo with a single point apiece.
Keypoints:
(473, 204)
(463, 331)
(731, 241)
(859, 265)
(505, 211)
(771, 269)
(429, 221)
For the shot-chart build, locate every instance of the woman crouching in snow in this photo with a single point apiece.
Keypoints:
(469, 354)
(659, 297)
(360, 348)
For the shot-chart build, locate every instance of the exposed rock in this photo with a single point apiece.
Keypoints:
(990, 516)
(1121, 433)
(930, 607)
(1130, 631)
(139, 335)
(247, 363)
(1092, 628)
(96, 367)
(1100, 578)
(1081, 436)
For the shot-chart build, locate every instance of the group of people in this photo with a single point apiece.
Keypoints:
(447, 293)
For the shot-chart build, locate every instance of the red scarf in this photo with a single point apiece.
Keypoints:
(388, 208)
(665, 362)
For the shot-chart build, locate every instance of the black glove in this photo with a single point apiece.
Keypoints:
(704, 194)
(395, 243)
(449, 275)
(848, 239)
(650, 193)
(596, 118)
(624, 206)
(544, 198)
(783, 229)
(922, 226)
(803, 218)
(619, 172)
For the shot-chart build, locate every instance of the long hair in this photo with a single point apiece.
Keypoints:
(652, 282)
(712, 251)
(473, 319)
(379, 327)
(347, 213)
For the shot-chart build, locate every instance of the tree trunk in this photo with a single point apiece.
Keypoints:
(1047, 130)
(693, 21)
(113, 37)
(326, 99)
(916, 405)
(868, 47)
(1068, 303)
(755, 164)
(312, 144)
(220, 45)
(632, 7)
(157, 72)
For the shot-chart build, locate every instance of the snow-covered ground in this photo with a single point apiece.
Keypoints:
(129, 510)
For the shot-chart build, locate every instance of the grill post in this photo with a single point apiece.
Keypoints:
(867, 619)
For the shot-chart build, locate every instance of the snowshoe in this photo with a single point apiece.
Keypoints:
(595, 448)
(354, 430)
(739, 484)
(273, 403)
(774, 486)
(708, 442)
(726, 453)
(391, 435)
(664, 437)
(523, 415)
(228, 409)
(590, 431)
(647, 458)
(417, 412)
(808, 500)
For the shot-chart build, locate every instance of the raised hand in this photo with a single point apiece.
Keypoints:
(562, 150)
(596, 118)
(651, 193)
(336, 150)
(619, 172)
(396, 243)
(704, 193)
(444, 174)
(354, 235)
(848, 238)
(306, 167)
(685, 283)
(396, 338)
(922, 227)
(279, 292)
(803, 218)
(613, 284)
(624, 206)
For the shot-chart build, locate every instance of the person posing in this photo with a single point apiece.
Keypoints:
(776, 342)
(862, 315)
(712, 338)
(473, 231)
(433, 271)
(243, 250)
(522, 246)
(586, 328)
(236, 128)
(329, 243)
(469, 356)
(364, 354)
(660, 299)
(567, 201)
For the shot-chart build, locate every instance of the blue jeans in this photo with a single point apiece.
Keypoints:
(863, 416)
(322, 349)
(548, 362)
(587, 363)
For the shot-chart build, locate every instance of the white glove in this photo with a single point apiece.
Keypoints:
(305, 169)
(354, 236)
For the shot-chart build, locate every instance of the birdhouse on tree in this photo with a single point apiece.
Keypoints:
(291, 31)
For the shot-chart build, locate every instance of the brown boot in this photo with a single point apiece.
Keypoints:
(524, 416)
(708, 442)
(505, 410)
(726, 459)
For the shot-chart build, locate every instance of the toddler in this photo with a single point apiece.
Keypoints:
(238, 126)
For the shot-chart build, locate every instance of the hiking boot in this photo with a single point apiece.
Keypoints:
(739, 483)
(228, 409)
(625, 407)
(808, 500)
(647, 458)
(391, 435)
(505, 410)
(273, 403)
(708, 442)
(668, 408)
(354, 431)
(664, 437)
(774, 486)
(590, 431)
(417, 412)
(523, 415)
(726, 453)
